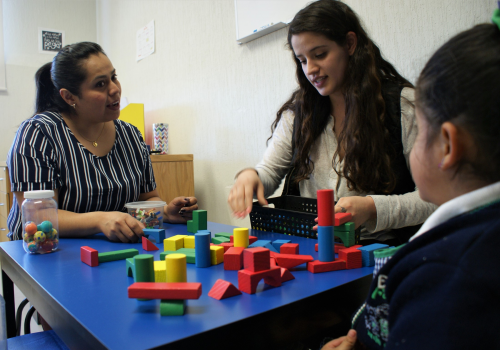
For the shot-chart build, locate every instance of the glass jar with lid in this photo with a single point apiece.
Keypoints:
(40, 224)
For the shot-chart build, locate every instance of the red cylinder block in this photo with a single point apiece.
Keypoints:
(326, 210)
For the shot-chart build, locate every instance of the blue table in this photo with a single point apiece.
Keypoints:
(89, 308)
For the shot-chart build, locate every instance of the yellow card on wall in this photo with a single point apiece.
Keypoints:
(134, 114)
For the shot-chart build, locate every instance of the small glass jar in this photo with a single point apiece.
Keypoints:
(40, 225)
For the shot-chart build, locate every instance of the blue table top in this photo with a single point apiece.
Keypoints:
(96, 297)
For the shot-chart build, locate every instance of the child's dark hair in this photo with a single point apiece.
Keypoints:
(65, 71)
(461, 84)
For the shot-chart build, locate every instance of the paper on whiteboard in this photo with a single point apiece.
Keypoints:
(145, 41)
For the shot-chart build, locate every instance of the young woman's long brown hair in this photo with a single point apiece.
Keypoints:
(365, 139)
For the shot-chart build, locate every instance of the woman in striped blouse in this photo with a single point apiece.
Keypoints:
(76, 146)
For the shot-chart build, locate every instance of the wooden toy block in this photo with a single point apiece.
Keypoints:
(338, 246)
(191, 226)
(342, 218)
(220, 239)
(160, 269)
(326, 250)
(173, 243)
(251, 239)
(367, 253)
(317, 266)
(189, 242)
(291, 260)
(352, 258)
(326, 207)
(202, 249)
(200, 219)
(256, 259)
(347, 227)
(172, 291)
(188, 252)
(130, 267)
(223, 234)
(226, 246)
(233, 258)
(223, 289)
(171, 307)
(89, 256)
(216, 255)
(157, 233)
(286, 275)
(148, 245)
(289, 248)
(270, 247)
(316, 247)
(259, 243)
(144, 268)
(248, 280)
(272, 262)
(240, 237)
(347, 237)
(176, 268)
(117, 255)
(279, 242)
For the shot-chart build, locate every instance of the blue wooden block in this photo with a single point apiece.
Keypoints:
(259, 243)
(326, 245)
(279, 242)
(202, 249)
(270, 247)
(157, 233)
(367, 253)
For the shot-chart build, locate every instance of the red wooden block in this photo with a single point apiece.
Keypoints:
(342, 218)
(256, 259)
(227, 245)
(148, 245)
(289, 248)
(272, 262)
(291, 260)
(326, 210)
(338, 246)
(248, 280)
(352, 257)
(233, 258)
(223, 289)
(89, 256)
(316, 247)
(163, 290)
(273, 254)
(252, 239)
(354, 246)
(286, 275)
(317, 266)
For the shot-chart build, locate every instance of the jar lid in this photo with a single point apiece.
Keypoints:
(145, 204)
(39, 194)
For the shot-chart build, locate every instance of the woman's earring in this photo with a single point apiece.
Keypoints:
(73, 105)
(441, 163)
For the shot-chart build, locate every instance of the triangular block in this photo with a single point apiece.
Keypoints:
(148, 245)
(291, 260)
(286, 275)
(223, 289)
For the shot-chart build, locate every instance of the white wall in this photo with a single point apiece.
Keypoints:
(21, 19)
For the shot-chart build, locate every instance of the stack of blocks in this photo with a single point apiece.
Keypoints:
(256, 262)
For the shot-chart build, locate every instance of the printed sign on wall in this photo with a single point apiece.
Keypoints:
(50, 40)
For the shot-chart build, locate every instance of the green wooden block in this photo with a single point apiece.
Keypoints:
(347, 227)
(189, 252)
(144, 268)
(219, 240)
(192, 226)
(200, 219)
(172, 307)
(130, 267)
(223, 234)
(348, 238)
(117, 255)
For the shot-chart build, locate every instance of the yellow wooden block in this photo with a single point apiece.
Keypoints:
(176, 268)
(240, 237)
(160, 271)
(216, 254)
(189, 242)
(173, 243)
(134, 114)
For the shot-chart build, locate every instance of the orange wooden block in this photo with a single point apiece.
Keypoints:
(256, 259)
(289, 248)
(223, 289)
(291, 260)
(233, 258)
(317, 266)
(89, 256)
(352, 257)
(286, 275)
(162, 290)
(342, 218)
(248, 280)
(148, 245)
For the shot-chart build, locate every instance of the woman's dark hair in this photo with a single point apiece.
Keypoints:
(365, 139)
(65, 71)
(461, 84)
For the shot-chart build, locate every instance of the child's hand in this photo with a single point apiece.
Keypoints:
(343, 343)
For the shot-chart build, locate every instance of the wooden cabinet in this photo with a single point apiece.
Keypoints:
(5, 200)
(174, 175)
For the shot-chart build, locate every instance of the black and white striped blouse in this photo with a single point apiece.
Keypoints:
(46, 155)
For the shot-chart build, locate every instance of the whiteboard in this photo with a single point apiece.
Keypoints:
(254, 17)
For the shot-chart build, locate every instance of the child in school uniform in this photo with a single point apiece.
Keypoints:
(442, 289)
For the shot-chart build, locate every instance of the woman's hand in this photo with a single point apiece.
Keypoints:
(180, 210)
(241, 196)
(120, 227)
(362, 209)
(343, 343)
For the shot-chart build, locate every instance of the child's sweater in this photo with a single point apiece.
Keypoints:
(441, 290)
